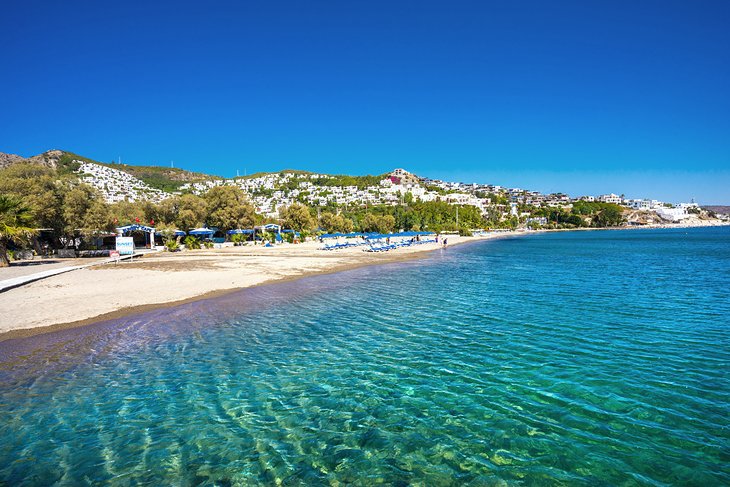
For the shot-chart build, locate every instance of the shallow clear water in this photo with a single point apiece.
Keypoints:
(597, 358)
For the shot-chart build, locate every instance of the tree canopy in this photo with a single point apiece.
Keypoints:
(297, 217)
(15, 224)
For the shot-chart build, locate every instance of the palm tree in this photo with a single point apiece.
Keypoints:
(15, 221)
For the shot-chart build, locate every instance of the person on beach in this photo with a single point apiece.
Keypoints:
(445, 240)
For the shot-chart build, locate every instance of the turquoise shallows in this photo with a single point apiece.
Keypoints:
(582, 358)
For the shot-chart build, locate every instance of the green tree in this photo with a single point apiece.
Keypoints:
(611, 215)
(228, 208)
(76, 203)
(386, 224)
(40, 189)
(297, 217)
(377, 223)
(335, 223)
(347, 225)
(128, 212)
(97, 220)
(369, 223)
(330, 222)
(191, 211)
(15, 225)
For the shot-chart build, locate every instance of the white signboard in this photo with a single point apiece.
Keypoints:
(125, 245)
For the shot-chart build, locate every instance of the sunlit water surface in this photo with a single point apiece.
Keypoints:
(596, 358)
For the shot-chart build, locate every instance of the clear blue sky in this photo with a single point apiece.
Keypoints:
(585, 97)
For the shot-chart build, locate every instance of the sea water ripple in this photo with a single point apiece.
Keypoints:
(592, 358)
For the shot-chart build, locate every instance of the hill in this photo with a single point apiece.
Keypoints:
(718, 209)
(167, 179)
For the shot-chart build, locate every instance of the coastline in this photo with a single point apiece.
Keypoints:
(42, 307)
(164, 280)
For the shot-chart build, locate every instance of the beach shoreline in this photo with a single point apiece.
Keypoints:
(164, 280)
(41, 307)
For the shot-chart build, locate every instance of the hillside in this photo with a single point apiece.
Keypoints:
(170, 179)
(718, 209)
(167, 179)
(8, 159)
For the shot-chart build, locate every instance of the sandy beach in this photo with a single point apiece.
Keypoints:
(159, 279)
(107, 291)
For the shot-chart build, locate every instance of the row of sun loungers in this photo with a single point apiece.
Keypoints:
(379, 242)
(380, 247)
(377, 246)
(341, 245)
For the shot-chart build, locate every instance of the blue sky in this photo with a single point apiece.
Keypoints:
(582, 97)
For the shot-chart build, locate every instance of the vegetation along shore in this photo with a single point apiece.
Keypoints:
(59, 210)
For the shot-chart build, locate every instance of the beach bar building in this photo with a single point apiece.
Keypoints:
(202, 232)
(176, 233)
(144, 236)
(261, 229)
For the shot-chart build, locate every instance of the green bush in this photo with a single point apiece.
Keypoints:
(172, 245)
(208, 244)
(192, 243)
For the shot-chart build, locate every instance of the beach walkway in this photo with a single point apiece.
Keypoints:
(17, 281)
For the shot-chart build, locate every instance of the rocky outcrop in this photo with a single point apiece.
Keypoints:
(49, 158)
(8, 159)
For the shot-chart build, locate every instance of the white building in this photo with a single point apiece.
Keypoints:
(639, 204)
(610, 198)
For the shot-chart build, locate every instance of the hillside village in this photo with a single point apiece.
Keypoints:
(270, 192)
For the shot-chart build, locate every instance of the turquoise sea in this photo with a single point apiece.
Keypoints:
(578, 358)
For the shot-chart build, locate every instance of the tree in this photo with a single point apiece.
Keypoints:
(347, 225)
(297, 217)
(379, 224)
(335, 223)
(97, 220)
(128, 212)
(369, 223)
(228, 208)
(15, 224)
(386, 224)
(39, 189)
(76, 203)
(191, 211)
(611, 215)
(330, 222)
(166, 210)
